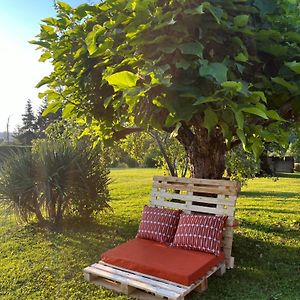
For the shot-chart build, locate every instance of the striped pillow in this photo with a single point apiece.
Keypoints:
(200, 232)
(158, 224)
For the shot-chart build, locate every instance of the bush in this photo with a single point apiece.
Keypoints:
(240, 165)
(297, 167)
(53, 179)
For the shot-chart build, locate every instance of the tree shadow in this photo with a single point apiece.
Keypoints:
(253, 194)
(271, 211)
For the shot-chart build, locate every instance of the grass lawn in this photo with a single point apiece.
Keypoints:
(37, 264)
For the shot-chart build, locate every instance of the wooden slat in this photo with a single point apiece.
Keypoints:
(193, 208)
(168, 286)
(193, 198)
(216, 182)
(134, 283)
(197, 189)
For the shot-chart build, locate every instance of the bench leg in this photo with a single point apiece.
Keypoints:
(202, 286)
(221, 270)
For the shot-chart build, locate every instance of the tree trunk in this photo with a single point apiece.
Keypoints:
(206, 152)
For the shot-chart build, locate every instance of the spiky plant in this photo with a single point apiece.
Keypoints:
(18, 189)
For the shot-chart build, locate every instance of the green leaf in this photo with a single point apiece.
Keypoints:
(64, 6)
(210, 119)
(52, 107)
(241, 135)
(294, 66)
(242, 57)
(255, 111)
(272, 114)
(91, 39)
(46, 55)
(266, 6)
(83, 9)
(215, 70)
(292, 87)
(201, 100)
(257, 147)
(240, 120)
(259, 95)
(44, 81)
(67, 111)
(241, 20)
(234, 85)
(174, 133)
(122, 80)
(195, 48)
(183, 64)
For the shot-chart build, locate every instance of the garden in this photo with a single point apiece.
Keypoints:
(39, 264)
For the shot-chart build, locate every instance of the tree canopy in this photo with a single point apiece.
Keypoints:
(215, 71)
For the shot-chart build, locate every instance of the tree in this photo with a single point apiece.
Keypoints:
(42, 122)
(27, 132)
(214, 74)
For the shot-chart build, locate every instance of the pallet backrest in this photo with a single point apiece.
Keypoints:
(195, 195)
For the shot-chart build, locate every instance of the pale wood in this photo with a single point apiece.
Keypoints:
(202, 286)
(222, 270)
(124, 280)
(164, 284)
(190, 198)
(195, 188)
(216, 182)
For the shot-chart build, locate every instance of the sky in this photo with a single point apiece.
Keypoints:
(20, 69)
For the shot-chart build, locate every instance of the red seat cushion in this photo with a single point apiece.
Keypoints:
(159, 260)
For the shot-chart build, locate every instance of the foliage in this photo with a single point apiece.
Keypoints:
(224, 67)
(241, 165)
(159, 149)
(43, 122)
(38, 264)
(28, 131)
(56, 176)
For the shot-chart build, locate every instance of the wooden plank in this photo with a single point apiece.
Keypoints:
(216, 182)
(198, 189)
(133, 275)
(193, 208)
(134, 283)
(192, 198)
(148, 276)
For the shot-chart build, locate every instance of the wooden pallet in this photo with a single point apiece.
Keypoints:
(142, 286)
(192, 196)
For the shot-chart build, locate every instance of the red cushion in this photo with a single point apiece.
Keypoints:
(159, 260)
(200, 232)
(158, 224)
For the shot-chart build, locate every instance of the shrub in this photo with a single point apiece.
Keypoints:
(240, 165)
(56, 177)
(297, 167)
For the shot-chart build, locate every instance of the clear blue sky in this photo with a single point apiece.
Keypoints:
(20, 70)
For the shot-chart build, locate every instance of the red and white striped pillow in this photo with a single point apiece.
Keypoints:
(200, 232)
(158, 224)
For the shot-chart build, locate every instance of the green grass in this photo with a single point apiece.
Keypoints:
(38, 264)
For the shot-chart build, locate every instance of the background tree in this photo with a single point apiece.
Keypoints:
(27, 132)
(215, 74)
(43, 121)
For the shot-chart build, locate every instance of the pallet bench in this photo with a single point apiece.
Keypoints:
(191, 195)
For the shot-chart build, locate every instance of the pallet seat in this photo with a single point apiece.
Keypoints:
(146, 269)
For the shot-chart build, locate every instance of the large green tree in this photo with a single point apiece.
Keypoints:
(214, 74)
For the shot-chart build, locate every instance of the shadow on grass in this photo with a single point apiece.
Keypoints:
(268, 210)
(261, 195)
(289, 175)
